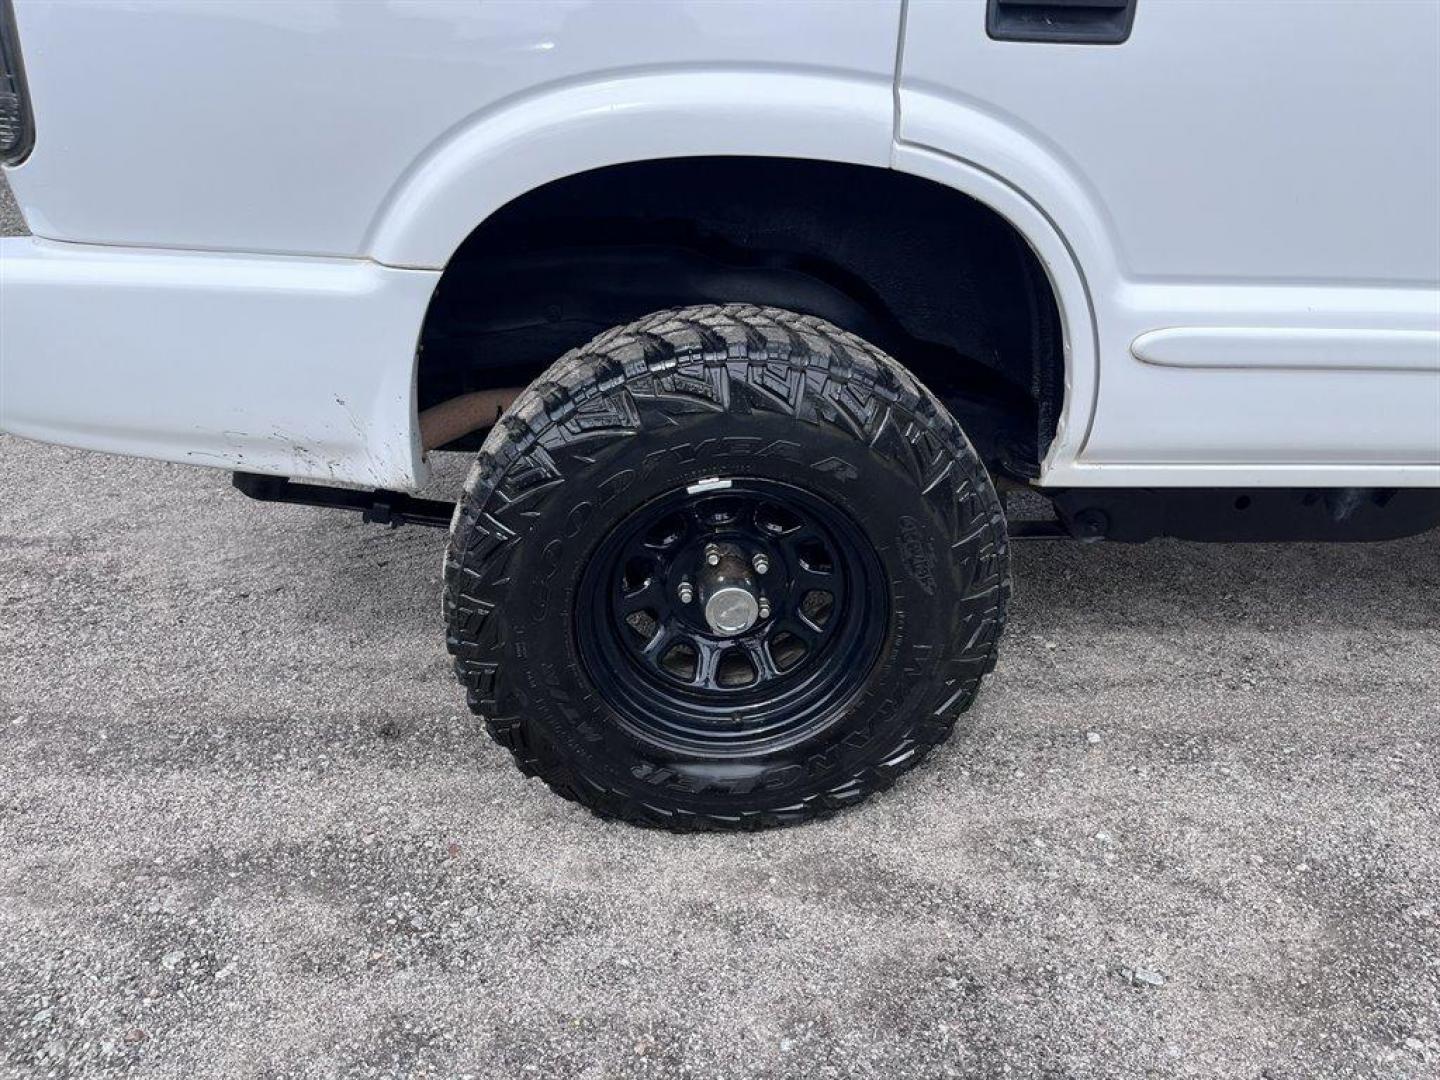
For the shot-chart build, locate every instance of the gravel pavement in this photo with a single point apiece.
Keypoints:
(248, 829)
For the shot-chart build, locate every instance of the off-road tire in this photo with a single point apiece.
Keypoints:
(733, 390)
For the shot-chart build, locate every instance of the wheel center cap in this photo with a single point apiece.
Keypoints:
(731, 610)
(727, 590)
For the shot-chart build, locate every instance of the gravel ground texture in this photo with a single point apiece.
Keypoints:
(11, 223)
(248, 829)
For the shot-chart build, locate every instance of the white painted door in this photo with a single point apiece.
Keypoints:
(1258, 178)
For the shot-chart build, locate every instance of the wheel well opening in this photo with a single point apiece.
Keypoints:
(938, 280)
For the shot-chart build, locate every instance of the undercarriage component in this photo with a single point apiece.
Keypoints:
(393, 508)
(1247, 515)
(460, 416)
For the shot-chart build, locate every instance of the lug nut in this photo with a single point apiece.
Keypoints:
(712, 555)
(761, 562)
(687, 592)
(764, 606)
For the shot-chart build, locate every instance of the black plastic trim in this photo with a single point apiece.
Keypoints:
(12, 70)
(1254, 515)
(1075, 22)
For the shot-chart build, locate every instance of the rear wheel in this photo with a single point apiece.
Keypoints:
(725, 567)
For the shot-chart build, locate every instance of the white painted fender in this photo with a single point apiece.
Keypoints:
(964, 145)
(504, 151)
(1072, 294)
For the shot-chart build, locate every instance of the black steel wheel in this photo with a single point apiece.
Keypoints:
(800, 584)
(726, 567)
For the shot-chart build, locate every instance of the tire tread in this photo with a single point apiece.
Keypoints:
(731, 357)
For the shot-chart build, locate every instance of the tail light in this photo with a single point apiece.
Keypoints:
(17, 126)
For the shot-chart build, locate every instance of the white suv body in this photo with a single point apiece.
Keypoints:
(241, 210)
